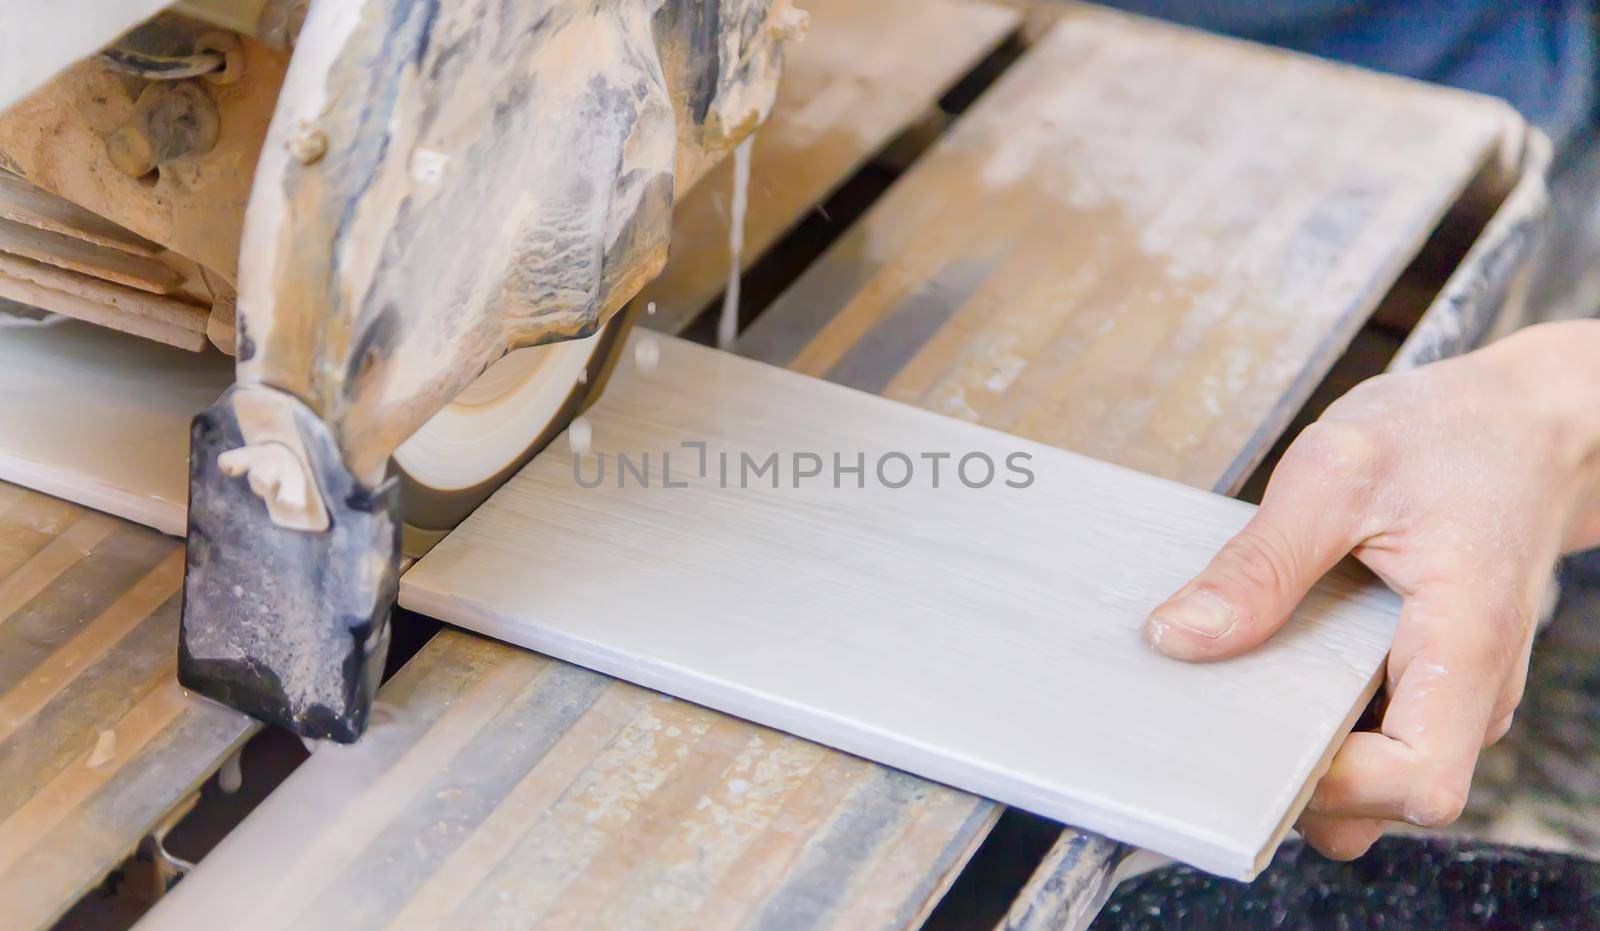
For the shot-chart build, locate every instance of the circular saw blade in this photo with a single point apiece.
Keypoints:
(502, 420)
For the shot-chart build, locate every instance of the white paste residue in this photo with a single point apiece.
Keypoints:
(105, 750)
(427, 166)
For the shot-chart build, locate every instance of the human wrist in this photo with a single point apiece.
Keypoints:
(1556, 368)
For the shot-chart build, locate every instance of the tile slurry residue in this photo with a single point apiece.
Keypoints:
(1169, 225)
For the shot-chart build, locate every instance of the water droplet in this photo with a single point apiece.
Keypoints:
(647, 353)
(580, 435)
(231, 776)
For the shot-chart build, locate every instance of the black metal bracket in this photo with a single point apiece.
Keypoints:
(290, 627)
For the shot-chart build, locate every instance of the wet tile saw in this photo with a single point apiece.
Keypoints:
(379, 208)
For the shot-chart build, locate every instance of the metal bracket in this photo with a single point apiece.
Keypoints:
(289, 626)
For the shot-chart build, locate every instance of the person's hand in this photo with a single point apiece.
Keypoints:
(1459, 484)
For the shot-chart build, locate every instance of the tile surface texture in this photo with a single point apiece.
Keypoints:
(988, 638)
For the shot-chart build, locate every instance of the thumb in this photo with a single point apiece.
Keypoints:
(1252, 585)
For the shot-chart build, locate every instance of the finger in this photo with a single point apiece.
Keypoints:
(1340, 838)
(1306, 523)
(1516, 682)
(1370, 777)
(1420, 767)
(1498, 730)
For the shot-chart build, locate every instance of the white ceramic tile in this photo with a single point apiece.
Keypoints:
(102, 418)
(989, 638)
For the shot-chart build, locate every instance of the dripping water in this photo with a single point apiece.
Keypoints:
(231, 776)
(728, 326)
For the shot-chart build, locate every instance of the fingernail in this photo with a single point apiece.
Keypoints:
(1199, 612)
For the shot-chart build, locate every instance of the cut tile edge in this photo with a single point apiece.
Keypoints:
(1100, 816)
(60, 480)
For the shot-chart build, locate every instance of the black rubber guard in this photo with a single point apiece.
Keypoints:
(287, 626)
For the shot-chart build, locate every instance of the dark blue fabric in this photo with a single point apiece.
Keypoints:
(1540, 56)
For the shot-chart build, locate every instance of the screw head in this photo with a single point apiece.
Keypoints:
(307, 144)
